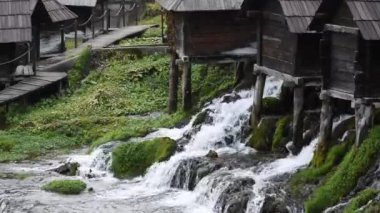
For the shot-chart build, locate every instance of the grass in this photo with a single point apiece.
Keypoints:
(97, 108)
(132, 159)
(355, 164)
(70, 43)
(67, 187)
(313, 174)
(360, 200)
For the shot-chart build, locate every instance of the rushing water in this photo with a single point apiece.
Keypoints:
(154, 192)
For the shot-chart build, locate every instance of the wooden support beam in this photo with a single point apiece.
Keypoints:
(108, 20)
(173, 85)
(123, 12)
(364, 116)
(298, 116)
(62, 47)
(186, 86)
(326, 123)
(342, 29)
(257, 100)
(239, 72)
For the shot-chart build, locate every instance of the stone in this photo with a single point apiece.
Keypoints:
(273, 205)
(68, 169)
(212, 154)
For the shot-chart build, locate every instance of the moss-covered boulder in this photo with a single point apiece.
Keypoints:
(282, 134)
(67, 187)
(272, 106)
(133, 159)
(262, 135)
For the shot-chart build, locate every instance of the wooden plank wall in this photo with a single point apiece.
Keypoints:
(308, 59)
(209, 33)
(343, 56)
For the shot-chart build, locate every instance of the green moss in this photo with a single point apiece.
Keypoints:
(7, 145)
(102, 108)
(80, 69)
(360, 200)
(355, 164)
(262, 136)
(373, 208)
(271, 106)
(200, 119)
(132, 159)
(67, 187)
(281, 134)
(313, 174)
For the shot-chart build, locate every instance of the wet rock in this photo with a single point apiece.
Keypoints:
(229, 140)
(273, 205)
(212, 154)
(235, 197)
(344, 125)
(262, 135)
(231, 98)
(191, 171)
(68, 169)
(91, 189)
(203, 118)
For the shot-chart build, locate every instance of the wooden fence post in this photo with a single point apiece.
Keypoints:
(257, 99)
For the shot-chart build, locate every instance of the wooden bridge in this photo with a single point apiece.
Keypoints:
(47, 76)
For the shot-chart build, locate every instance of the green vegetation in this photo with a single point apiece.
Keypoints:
(360, 200)
(281, 134)
(153, 36)
(67, 187)
(313, 174)
(17, 176)
(271, 106)
(70, 43)
(262, 135)
(99, 108)
(80, 69)
(132, 159)
(373, 208)
(355, 164)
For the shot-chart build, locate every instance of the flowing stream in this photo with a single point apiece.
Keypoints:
(188, 182)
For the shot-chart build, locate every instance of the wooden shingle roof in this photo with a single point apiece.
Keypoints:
(366, 14)
(200, 5)
(299, 13)
(79, 3)
(57, 11)
(15, 21)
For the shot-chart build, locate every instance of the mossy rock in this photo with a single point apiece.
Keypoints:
(272, 106)
(133, 159)
(262, 135)
(360, 200)
(67, 187)
(202, 117)
(281, 134)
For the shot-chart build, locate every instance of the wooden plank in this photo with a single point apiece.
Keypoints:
(25, 87)
(50, 74)
(51, 79)
(10, 91)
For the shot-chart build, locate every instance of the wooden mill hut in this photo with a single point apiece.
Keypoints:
(86, 8)
(287, 49)
(15, 29)
(205, 31)
(48, 15)
(351, 62)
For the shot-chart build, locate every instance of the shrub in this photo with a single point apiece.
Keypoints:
(67, 187)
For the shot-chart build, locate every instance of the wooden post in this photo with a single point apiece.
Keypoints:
(257, 99)
(239, 73)
(162, 27)
(326, 124)
(62, 49)
(123, 12)
(104, 18)
(93, 27)
(173, 84)
(186, 86)
(38, 42)
(298, 108)
(108, 20)
(34, 59)
(76, 33)
(365, 115)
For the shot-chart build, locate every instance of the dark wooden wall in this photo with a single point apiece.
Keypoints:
(279, 46)
(7, 53)
(210, 33)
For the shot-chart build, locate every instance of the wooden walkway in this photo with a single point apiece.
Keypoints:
(31, 84)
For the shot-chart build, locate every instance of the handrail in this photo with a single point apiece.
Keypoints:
(69, 26)
(18, 57)
(86, 22)
(118, 12)
(131, 9)
(96, 19)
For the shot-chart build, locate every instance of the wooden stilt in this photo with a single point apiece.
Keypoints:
(62, 49)
(258, 97)
(173, 85)
(186, 86)
(298, 109)
(239, 73)
(365, 115)
(326, 122)
(76, 33)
